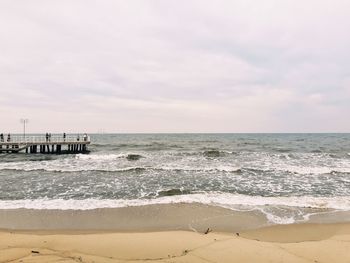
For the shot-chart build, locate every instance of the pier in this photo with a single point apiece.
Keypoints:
(55, 144)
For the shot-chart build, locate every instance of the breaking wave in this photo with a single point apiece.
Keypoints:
(271, 206)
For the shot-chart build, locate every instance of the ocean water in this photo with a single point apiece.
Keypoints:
(286, 176)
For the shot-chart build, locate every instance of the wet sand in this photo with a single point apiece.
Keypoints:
(193, 217)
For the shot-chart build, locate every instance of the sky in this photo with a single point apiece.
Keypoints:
(175, 66)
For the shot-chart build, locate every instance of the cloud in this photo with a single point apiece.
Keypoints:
(175, 66)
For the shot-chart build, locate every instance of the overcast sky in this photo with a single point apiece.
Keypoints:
(175, 66)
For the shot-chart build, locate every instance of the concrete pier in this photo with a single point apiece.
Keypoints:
(56, 144)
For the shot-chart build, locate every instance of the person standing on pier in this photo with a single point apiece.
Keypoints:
(47, 137)
(8, 140)
(64, 136)
(2, 137)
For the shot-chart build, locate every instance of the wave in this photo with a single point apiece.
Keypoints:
(10, 158)
(150, 145)
(299, 170)
(271, 206)
(249, 143)
(215, 153)
(313, 170)
(55, 170)
(172, 192)
(100, 157)
(110, 163)
(109, 157)
(134, 157)
(128, 169)
(282, 150)
(106, 157)
(206, 161)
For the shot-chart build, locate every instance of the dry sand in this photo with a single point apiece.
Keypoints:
(288, 243)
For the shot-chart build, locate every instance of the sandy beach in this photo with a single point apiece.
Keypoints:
(167, 233)
(174, 131)
(290, 243)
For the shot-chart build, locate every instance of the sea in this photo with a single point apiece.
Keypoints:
(288, 177)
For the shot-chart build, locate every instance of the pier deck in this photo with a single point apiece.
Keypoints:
(56, 144)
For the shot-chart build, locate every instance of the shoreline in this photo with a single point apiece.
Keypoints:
(172, 233)
(162, 217)
(155, 217)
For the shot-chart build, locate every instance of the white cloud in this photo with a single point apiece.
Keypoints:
(182, 66)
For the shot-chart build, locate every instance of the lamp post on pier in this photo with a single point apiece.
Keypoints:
(25, 122)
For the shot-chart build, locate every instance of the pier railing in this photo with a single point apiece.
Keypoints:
(20, 139)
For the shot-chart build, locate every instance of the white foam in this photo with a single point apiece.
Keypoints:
(267, 205)
(279, 219)
(108, 163)
(313, 170)
(204, 169)
(305, 164)
(103, 157)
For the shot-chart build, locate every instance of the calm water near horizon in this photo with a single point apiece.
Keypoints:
(286, 176)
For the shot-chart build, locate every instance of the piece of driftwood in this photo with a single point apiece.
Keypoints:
(207, 231)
